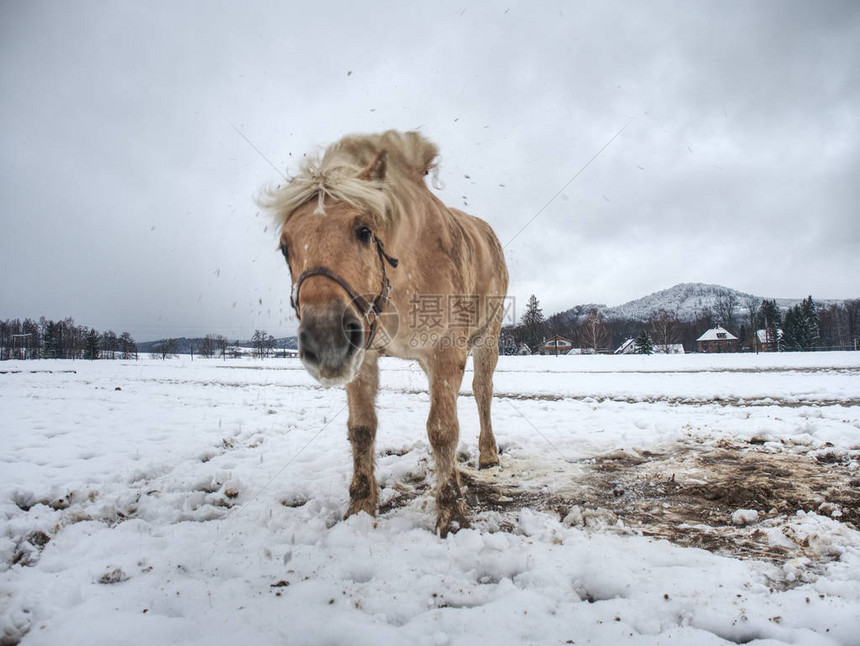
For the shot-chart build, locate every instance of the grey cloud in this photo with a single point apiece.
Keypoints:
(126, 194)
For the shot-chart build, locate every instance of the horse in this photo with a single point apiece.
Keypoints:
(380, 266)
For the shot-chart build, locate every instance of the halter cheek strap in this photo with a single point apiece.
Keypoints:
(370, 311)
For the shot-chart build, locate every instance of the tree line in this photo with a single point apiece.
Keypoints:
(46, 339)
(262, 343)
(804, 327)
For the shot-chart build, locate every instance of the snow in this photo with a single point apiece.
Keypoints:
(745, 516)
(716, 334)
(201, 503)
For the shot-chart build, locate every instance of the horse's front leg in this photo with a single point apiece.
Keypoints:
(443, 431)
(361, 396)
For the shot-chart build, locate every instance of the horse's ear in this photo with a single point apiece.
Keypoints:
(375, 171)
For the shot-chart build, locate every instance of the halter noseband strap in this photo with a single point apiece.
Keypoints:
(370, 311)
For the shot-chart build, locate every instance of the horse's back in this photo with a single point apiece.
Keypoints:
(485, 255)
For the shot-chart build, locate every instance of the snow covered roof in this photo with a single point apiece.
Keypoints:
(628, 347)
(718, 333)
(557, 342)
(577, 351)
(672, 348)
(762, 335)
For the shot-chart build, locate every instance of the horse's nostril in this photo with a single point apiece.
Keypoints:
(355, 334)
(308, 347)
(310, 356)
(328, 342)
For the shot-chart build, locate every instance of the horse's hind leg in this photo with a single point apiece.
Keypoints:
(486, 355)
(443, 430)
(361, 396)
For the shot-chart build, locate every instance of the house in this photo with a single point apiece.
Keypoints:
(672, 348)
(557, 345)
(717, 339)
(580, 351)
(628, 347)
(766, 344)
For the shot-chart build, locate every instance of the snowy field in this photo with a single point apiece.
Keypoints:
(641, 500)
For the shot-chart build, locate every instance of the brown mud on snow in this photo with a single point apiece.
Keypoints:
(685, 493)
(688, 495)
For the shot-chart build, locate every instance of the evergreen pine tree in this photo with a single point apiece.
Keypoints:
(91, 345)
(770, 320)
(51, 341)
(801, 329)
(643, 343)
(533, 323)
(792, 337)
(809, 322)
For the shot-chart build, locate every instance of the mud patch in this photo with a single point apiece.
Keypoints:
(689, 494)
(686, 493)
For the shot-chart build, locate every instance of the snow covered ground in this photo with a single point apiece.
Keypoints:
(643, 500)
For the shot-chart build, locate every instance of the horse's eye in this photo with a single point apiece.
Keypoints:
(283, 249)
(364, 234)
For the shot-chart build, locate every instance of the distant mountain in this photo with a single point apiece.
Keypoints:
(686, 301)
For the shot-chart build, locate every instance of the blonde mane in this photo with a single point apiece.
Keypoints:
(337, 175)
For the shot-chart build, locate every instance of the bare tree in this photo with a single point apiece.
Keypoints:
(207, 346)
(752, 304)
(12, 339)
(221, 343)
(664, 330)
(109, 344)
(832, 324)
(724, 306)
(127, 346)
(263, 342)
(70, 336)
(33, 339)
(594, 333)
(164, 349)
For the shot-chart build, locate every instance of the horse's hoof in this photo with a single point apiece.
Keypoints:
(356, 506)
(450, 521)
(489, 464)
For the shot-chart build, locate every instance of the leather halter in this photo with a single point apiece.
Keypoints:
(370, 311)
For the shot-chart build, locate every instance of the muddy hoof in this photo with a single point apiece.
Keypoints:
(366, 505)
(489, 464)
(450, 521)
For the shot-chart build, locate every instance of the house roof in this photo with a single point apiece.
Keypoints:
(718, 333)
(557, 341)
(762, 335)
(627, 347)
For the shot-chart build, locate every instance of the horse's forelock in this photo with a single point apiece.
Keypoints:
(335, 175)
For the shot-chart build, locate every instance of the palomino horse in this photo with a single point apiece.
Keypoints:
(380, 266)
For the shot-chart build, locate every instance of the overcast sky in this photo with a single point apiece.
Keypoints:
(126, 194)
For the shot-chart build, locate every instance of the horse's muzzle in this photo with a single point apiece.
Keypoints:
(329, 342)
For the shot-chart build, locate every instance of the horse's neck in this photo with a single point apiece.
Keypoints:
(424, 241)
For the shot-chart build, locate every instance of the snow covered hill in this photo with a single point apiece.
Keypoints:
(686, 300)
